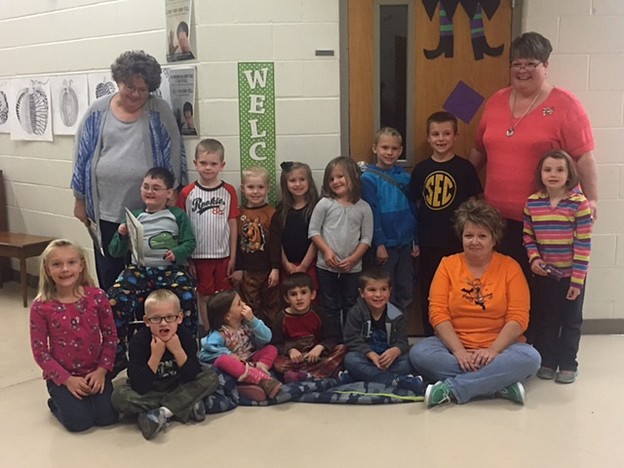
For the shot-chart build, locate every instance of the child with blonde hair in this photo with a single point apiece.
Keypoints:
(73, 339)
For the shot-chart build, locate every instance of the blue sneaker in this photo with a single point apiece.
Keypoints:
(438, 394)
(410, 382)
(152, 422)
(343, 377)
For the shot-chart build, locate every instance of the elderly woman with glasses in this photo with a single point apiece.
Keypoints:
(122, 136)
(519, 125)
(479, 309)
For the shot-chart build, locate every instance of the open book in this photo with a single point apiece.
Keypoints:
(135, 233)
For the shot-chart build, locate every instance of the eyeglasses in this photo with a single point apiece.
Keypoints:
(131, 89)
(156, 319)
(528, 66)
(155, 189)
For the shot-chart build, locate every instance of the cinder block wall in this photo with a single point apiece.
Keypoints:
(46, 38)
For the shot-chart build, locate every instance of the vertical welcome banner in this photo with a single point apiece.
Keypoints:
(256, 105)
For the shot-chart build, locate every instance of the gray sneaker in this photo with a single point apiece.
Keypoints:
(546, 373)
(151, 422)
(566, 376)
(198, 413)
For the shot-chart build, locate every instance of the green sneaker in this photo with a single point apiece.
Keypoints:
(437, 394)
(513, 392)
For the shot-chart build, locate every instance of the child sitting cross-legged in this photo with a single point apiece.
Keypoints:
(304, 335)
(238, 345)
(165, 378)
(376, 334)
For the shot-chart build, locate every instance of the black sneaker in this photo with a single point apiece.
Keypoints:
(198, 413)
(151, 422)
(410, 382)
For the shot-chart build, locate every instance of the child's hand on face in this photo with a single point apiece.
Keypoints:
(122, 230)
(573, 293)
(295, 355)
(96, 380)
(173, 344)
(247, 313)
(314, 354)
(157, 346)
(169, 256)
(78, 386)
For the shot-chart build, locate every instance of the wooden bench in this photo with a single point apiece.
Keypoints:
(17, 245)
(22, 246)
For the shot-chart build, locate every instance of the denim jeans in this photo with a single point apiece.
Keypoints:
(339, 291)
(556, 322)
(79, 415)
(362, 368)
(434, 361)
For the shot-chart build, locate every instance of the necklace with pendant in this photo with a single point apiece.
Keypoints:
(511, 130)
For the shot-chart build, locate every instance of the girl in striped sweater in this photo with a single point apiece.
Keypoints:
(557, 236)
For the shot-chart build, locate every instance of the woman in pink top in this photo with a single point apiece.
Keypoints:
(519, 125)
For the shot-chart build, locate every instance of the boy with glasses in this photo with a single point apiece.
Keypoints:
(167, 242)
(165, 379)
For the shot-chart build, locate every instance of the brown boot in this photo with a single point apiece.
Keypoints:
(269, 385)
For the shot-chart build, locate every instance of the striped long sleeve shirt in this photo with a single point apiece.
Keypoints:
(561, 235)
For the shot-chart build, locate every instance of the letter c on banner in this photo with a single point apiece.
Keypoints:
(253, 151)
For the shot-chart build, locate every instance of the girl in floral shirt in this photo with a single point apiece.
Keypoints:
(73, 339)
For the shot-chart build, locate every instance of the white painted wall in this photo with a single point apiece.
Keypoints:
(44, 37)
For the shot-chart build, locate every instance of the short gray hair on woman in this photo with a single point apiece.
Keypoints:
(480, 213)
(137, 62)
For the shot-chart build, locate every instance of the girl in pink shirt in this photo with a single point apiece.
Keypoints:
(73, 339)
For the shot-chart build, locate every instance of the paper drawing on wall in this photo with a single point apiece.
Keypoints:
(5, 107)
(101, 84)
(69, 102)
(32, 110)
(475, 10)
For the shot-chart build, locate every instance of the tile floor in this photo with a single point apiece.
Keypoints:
(579, 425)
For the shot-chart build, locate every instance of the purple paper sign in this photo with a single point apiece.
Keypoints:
(463, 102)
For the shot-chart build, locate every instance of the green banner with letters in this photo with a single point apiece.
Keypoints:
(256, 105)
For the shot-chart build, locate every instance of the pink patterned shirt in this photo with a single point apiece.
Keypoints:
(73, 339)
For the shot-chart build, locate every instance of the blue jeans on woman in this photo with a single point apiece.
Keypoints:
(434, 361)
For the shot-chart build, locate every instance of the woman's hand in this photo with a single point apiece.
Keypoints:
(482, 357)
(80, 211)
(465, 360)
(122, 230)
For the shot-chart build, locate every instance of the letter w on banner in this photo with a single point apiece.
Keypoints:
(256, 106)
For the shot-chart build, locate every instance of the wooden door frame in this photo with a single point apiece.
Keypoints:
(345, 133)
